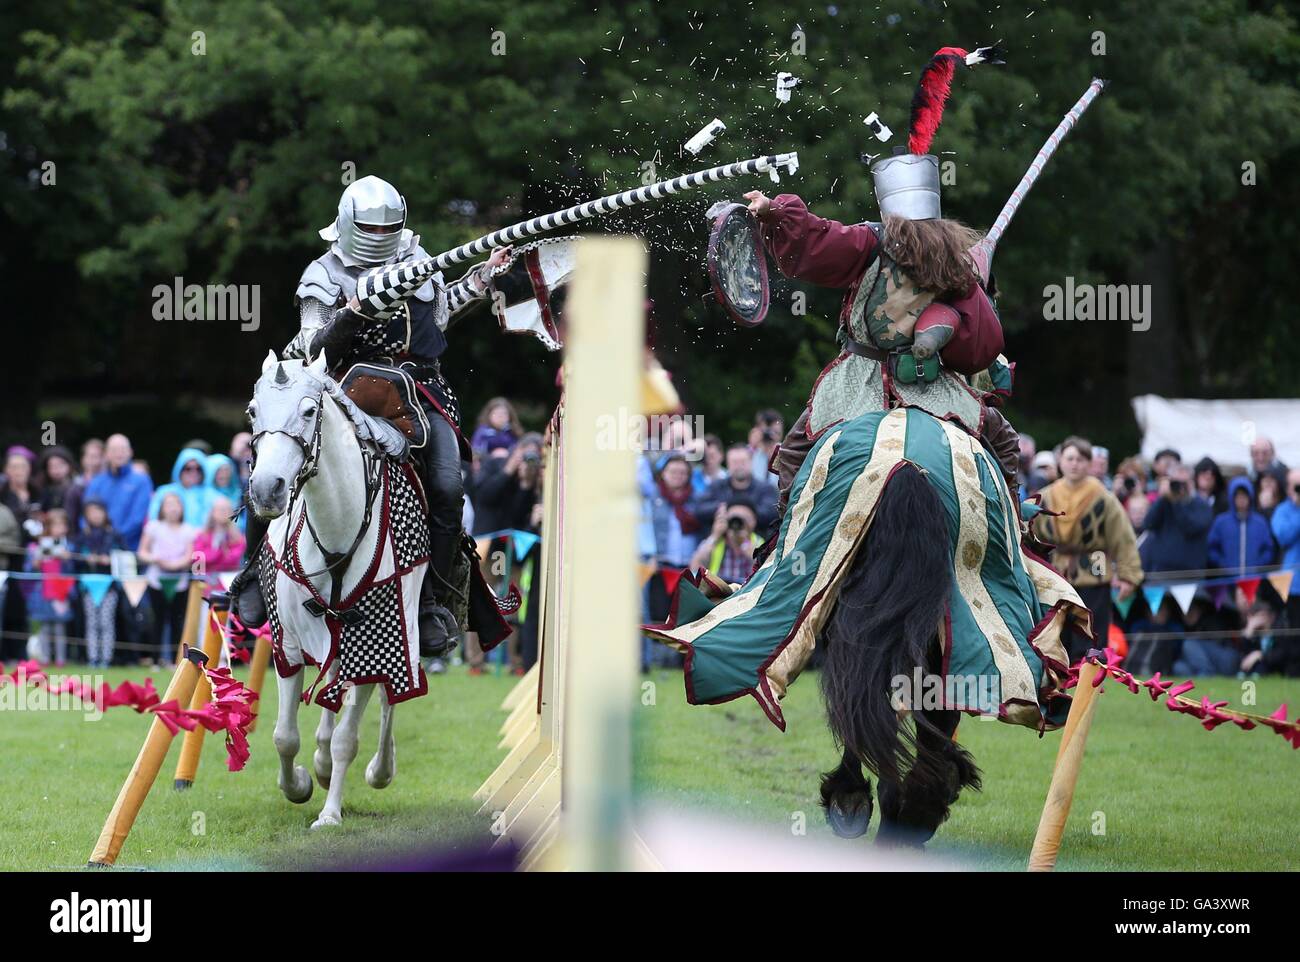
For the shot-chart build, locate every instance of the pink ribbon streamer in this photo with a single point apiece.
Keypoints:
(230, 710)
(1211, 714)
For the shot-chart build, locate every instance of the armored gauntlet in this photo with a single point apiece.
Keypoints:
(335, 337)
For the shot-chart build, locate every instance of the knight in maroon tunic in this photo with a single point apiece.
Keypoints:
(917, 324)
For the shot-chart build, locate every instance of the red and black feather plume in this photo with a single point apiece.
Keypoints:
(933, 89)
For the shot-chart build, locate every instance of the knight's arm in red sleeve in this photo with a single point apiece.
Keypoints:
(976, 339)
(811, 248)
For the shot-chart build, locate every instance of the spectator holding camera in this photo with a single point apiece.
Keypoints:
(728, 550)
(1178, 523)
(739, 484)
(1164, 462)
(508, 487)
(1130, 477)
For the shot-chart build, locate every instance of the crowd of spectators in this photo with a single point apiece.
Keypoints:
(503, 495)
(705, 503)
(99, 514)
(1165, 523)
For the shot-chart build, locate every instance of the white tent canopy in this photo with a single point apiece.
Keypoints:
(1223, 430)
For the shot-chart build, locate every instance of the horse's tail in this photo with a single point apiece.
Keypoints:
(883, 627)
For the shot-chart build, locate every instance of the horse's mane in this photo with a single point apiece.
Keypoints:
(376, 430)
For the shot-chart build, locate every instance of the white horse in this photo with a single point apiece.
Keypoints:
(341, 523)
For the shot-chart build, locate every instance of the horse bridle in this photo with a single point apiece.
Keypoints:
(371, 468)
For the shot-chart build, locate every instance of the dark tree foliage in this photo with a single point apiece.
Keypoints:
(209, 141)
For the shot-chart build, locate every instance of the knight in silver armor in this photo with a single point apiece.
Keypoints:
(370, 231)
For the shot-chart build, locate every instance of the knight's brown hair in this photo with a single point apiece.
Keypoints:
(933, 253)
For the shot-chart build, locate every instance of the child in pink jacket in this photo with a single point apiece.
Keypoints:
(220, 545)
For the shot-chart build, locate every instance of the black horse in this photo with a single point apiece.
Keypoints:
(884, 625)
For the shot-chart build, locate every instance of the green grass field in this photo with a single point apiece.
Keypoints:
(1173, 796)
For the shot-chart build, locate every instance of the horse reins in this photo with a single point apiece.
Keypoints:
(371, 469)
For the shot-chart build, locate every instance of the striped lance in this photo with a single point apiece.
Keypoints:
(607, 205)
(381, 291)
(990, 241)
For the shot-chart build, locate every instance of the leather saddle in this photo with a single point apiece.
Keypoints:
(389, 393)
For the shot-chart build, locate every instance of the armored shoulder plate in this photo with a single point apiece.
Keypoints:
(327, 280)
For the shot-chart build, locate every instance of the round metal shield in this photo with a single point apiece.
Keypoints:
(738, 266)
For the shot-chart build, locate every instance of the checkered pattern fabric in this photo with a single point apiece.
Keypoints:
(376, 649)
(266, 573)
(407, 520)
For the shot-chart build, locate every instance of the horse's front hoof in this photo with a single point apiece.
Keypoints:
(325, 821)
(848, 825)
(299, 791)
(377, 776)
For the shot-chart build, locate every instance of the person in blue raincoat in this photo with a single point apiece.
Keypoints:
(1240, 537)
(189, 483)
(222, 479)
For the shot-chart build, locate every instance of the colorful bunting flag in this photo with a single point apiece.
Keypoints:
(524, 541)
(1183, 594)
(134, 588)
(645, 571)
(96, 586)
(1280, 580)
(1122, 604)
(1249, 587)
(1154, 596)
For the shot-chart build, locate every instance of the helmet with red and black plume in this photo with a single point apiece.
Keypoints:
(907, 184)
